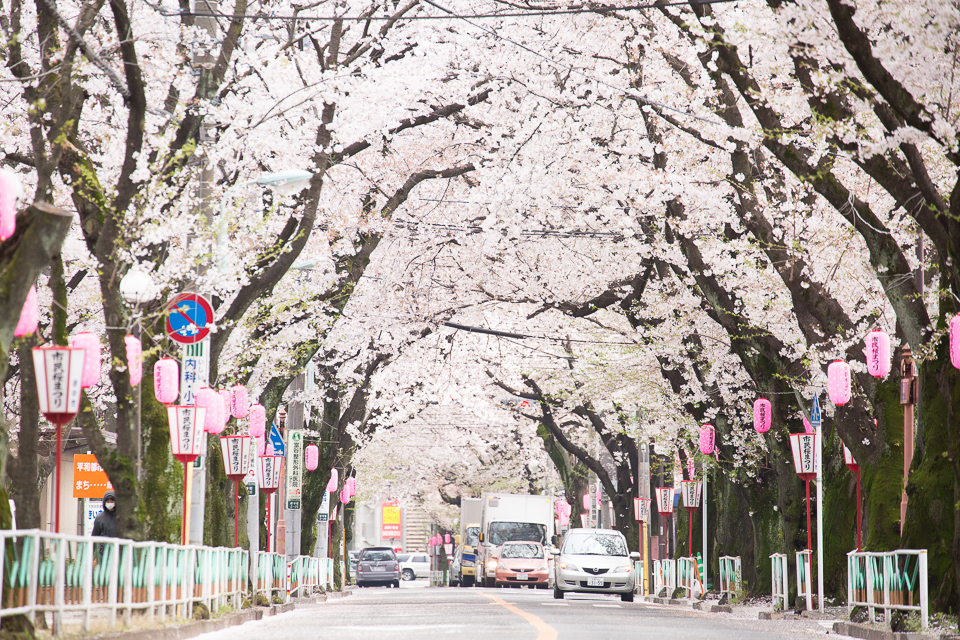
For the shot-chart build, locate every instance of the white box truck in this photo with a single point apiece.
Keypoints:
(506, 517)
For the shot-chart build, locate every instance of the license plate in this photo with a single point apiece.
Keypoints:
(522, 576)
(378, 568)
(594, 582)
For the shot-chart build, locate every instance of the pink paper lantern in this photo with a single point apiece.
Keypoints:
(955, 341)
(344, 496)
(586, 502)
(210, 400)
(257, 417)
(446, 538)
(29, 315)
(166, 380)
(351, 486)
(312, 457)
(762, 415)
(91, 363)
(807, 427)
(11, 193)
(878, 353)
(838, 382)
(261, 445)
(707, 439)
(334, 480)
(225, 397)
(239, 401)
(134, 359)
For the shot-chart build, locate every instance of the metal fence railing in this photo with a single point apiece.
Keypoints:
(730, 575)
(113, 577)
(888, 580)
(665, 576)
(805, 577)
(780, 582)
(688, 576)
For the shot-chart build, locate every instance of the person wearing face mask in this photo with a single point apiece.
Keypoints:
(106, 523)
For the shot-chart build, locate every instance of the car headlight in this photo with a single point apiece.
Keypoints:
(543, 567)
(569, 566)
(627, 568)
(493, 563)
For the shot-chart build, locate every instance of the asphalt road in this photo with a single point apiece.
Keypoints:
(502, 614)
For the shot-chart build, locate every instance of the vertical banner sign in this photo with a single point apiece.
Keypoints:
(323, 514)
(250, 480)
(194, 370)
(294, 468)
(390, 528)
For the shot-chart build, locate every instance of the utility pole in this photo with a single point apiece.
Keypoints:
(295, 418)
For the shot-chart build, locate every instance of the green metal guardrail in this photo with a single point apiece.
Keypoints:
(889, 580)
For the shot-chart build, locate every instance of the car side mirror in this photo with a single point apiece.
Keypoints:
(554, 551)
(635, 556)
(554, 539)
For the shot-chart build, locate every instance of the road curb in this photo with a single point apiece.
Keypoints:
(869, 633)
(189, 630)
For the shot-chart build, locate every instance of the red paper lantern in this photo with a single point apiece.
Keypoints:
(707, 439)
(257, 417)
(91, 363)
(11, 194)
(210, 400)
(838, 382)
(134, 359)
(239, 401)
(312, 457)
(166, 380)
(878, 353)
(762, 415)
(29, 315)
(955, 341)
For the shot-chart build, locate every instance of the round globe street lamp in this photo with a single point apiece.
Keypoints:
(59, 377)
(137, 288)
(235, 451)
(804, 447)
(186, 429)
(269, 483)
(691, 501)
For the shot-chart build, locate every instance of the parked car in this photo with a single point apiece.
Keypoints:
(522, 563)
(353, 561)
(414, 565)
(378, 565)
(594, 561)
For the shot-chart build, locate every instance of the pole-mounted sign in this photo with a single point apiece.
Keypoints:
(189, 317)
(294, 468)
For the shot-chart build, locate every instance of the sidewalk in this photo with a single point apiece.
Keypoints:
(833, 620)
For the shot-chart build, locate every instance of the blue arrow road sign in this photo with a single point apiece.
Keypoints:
(815, 418)
(279, 449)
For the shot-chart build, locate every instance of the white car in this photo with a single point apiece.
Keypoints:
(414, 565)
(594, 561)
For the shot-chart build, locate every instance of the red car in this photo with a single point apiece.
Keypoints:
(522, 563)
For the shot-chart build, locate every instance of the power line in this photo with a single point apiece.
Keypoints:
(523, 336)
(601, 9)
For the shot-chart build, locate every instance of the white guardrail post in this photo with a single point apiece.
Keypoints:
(805, 577)
(889, 580)
(779, 581)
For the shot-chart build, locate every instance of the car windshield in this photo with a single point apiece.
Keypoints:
(473, 536)
(521, 551)
(594, 544)
(501, 532)
(377, 556)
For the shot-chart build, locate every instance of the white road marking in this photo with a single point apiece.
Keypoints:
(555, 604)
(608, 606)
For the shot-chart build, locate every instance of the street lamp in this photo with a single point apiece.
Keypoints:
(236, 463)
(137, 288)
(269, 482)
(285, 182)
(804, 448)
(691, 501)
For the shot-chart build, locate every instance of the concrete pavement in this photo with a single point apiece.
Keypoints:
(524, 614)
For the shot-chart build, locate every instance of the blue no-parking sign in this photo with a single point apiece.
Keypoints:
(279, 449)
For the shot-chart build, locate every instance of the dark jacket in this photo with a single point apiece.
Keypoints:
(106, 524)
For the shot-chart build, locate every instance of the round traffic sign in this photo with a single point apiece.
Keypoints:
(189, 317)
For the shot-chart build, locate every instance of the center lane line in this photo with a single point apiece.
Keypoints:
(544, 631)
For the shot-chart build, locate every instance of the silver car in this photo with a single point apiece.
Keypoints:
(378, 565)
(594, 561)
